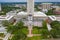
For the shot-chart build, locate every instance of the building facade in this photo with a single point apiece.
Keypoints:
(46, 5)
(0, 7)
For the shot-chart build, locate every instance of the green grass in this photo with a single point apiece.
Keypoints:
(34, 38)
(1, 39)
(36, 31)
(2, 35)
(25, 30)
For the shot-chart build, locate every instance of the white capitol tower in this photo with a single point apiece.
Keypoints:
(32, 18)
(0, 7)
(30, 6)
(30, 11)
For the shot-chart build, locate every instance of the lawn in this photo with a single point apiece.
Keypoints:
(34, 38)
(2, 35)
(25, 30)
(1, 39)
(36, 30)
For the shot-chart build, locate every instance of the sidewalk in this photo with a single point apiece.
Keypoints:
(7, 36)
(49, 27)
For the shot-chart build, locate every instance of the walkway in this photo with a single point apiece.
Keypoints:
(2, 30)
(30, 31)
(7, 36)
(49, 27)
(36, 34)
(58, 18)
(15, 23)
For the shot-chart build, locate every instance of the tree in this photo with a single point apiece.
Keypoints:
(45, 33)
(55, 25)
(17, 31)
(44, 24)
(11, 28)
(23, 8)
(55, 33)
(20, 24)
(19, 35)
(6, 23)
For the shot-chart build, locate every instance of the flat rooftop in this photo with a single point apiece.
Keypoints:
(55, 6)
(35, 14)
(53, 18)
(5, 17)
(46, 3)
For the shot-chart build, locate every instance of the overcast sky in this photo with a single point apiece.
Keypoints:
(26, 0)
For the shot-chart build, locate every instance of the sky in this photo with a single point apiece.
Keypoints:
(26, 0)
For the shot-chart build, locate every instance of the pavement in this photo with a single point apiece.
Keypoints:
(7, 36)
(58, 18)
(49, 27)
(36, 23)
(2, 30)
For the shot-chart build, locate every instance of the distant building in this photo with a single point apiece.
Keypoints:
(0, 7)
(56, 9)
(6, 17)
(51, 18)
(38, 18)
(44, 10)
(46, 5)
(20, 5)
(57, 12)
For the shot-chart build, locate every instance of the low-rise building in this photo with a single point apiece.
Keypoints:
(38, 17)
(6, 17)
(46, 6)
(0, 7)
(51, 18)
(20, 5)
(56, 9)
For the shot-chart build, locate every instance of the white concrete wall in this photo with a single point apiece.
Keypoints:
(46, 6)
(0, 7)
(30, 6)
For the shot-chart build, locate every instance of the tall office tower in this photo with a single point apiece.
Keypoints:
(30, 6)
(30, 11)
(0, 7)
(46, 6)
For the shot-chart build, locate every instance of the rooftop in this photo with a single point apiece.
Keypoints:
(53, 18)
(36, 14)
(55, 6)
(46, 3)
(5, 17)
